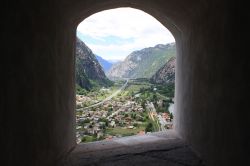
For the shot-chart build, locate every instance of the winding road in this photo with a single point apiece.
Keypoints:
(162, 121)
(110, 97)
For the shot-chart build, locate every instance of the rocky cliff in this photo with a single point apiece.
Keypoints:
(143, 63)
(166, 74)
(89, 72)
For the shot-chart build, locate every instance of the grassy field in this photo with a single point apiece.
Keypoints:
(166, 90)
(102, 95)
(89, 139)
(136, 85)
(124, 131)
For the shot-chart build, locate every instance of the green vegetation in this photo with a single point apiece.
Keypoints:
(166, 90)
(98, 84)
(145, 62)
(88, 138)
(136, 114)
(149, 127)
(120, 131)
(150, 64)
(80, 90)
(88, 72)
(153, 125)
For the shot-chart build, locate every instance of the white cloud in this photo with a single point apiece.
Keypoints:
(124, 23)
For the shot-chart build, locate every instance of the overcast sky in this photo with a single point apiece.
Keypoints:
(113, 34)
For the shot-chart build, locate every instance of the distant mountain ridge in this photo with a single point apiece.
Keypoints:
(166, 74)
(113, 61)
(89, 72)
(143, 63)
(106, 65)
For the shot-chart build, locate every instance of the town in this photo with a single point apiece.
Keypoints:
(137, 108)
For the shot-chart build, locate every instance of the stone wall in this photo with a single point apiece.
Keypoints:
(37, 96)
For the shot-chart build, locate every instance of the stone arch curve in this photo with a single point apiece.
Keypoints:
(167, 15)
(38, 76)
(172, 15)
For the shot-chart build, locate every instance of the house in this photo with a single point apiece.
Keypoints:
(142, 132)
(130, 127)
(105, 89)
(128, 119)
(166, 116)
(78, 127)
(140, 109)
(109, 137)
(137, 95)
(112, 124)
(100, 134)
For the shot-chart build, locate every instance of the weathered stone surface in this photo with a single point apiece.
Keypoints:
(162, 148)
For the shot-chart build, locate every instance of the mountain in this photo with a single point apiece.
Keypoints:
(166, 74)
(106, 65)
(114, 61)
(143, 63)
(89, 73)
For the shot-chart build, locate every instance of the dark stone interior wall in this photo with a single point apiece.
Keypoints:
(212, 87)
(37, 96)
(37, 70)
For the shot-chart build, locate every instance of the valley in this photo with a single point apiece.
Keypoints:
(137, 101)
(129, 107)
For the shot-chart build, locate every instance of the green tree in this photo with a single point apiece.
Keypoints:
(136, 124)
(110, 109)
(83, 139)
(142, 90)
(149, 127)
(132, 94)
(155, 98)
(143, 104)
(86, 121)
(171, 116)
(133, 116)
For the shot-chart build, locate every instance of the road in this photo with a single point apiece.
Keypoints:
(162, 121)
(110, 97)
(162, 96)
(152, 112)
